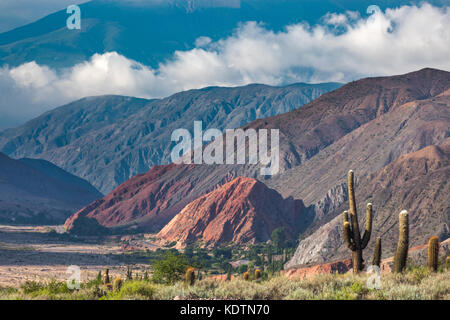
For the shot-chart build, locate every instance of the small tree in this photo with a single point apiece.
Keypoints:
(229, 272)
(242, 268)
(279, 238)
(99, 277)
(189, 252)
(170, 268)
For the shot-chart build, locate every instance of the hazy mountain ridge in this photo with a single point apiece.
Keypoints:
(107, 140)
(36, 191)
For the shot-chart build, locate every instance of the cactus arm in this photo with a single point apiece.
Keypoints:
(368, 230)
(348, 236)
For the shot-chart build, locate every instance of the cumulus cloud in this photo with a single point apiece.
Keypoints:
(343, 47)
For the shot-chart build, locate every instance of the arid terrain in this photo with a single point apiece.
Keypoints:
(37, 253)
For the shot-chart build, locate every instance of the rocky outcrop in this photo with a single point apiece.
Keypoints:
(334, 198)
(327, 268)
(241, 211)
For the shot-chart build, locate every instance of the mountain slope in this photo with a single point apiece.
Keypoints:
(107, 140)
(418, 182)
(241, 211)
(35, 191)
(372, 146)
(339, 116)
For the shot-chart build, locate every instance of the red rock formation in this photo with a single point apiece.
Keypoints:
(241, 211)
(139, 200)
(342, 266)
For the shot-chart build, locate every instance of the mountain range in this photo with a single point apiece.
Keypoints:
(392, 131)
(109, 139)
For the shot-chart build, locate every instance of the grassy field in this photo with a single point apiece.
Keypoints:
(415, 284)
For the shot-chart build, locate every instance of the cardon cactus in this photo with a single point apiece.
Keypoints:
(377, 253)
(352, 236)
(401, 254)
(257, 274)
(106, 277)
(190, 276)
(129, 273)
(117, 284)
(433, 253)
(229, 273)
(246, 276)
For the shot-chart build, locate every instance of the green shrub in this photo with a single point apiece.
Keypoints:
(135, 290)
(170, 268)
(49, 290)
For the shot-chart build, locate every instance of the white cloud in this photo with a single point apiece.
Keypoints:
(345, 47)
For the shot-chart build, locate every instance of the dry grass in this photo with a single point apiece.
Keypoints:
(415, 284)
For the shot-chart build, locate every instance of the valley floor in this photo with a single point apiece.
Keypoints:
(34, 261)
(33, 253)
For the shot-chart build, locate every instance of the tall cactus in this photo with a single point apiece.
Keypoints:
(352, 236)
(190, 276)
(377, 253)
(106, 277)
(403, 242)
(129, 273)
(433, 253)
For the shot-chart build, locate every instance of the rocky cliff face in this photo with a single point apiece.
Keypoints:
(241, 211)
